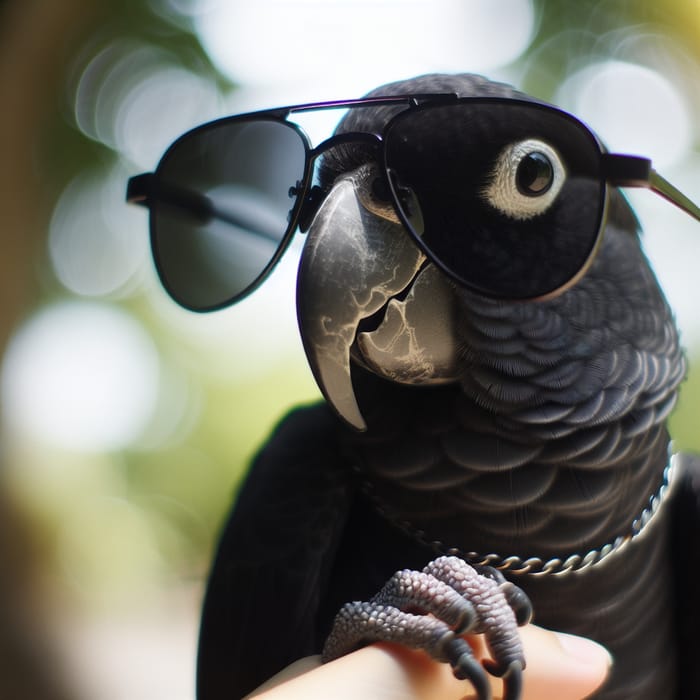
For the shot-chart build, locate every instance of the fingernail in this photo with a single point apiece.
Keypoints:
(585, 651)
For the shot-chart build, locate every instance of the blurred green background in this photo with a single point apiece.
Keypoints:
(127, 422)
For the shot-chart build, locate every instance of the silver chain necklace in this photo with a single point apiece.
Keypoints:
(535, 566)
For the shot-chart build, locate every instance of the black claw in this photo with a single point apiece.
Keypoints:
(466, 623)
(512, 675)
(516, 597)
(447, 588)
(466, 667)
(513, 681)
(518, 601)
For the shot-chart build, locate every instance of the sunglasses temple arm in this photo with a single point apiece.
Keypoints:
(138, 189)
(664, 188)
(636, 171)
(141, 190)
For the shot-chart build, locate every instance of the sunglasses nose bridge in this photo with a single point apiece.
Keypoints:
(314, 195)
(312, 201)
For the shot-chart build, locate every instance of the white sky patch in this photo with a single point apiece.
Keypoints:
(634, 109)
(80, 376)
(672, 241)
(358, 44)
(245, 341)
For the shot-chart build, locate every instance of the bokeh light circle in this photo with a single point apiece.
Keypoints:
(98, 244)
(80, 376)
(136, 99)
(634, 109)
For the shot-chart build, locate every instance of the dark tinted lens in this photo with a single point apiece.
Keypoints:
(221, 207)
(507, 196)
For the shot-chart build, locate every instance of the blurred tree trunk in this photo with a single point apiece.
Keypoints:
(35, 36)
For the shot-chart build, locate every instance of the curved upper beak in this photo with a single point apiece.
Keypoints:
(356, 259)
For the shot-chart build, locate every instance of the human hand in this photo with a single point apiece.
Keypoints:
(559, 667)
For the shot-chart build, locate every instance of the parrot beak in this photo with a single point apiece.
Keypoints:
(358, 257)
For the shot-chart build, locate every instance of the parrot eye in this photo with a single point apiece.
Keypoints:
(525, 179)
(534, 175)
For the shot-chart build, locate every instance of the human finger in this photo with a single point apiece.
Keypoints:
(559, 666)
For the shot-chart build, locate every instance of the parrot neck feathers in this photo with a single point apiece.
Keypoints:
(557, 567)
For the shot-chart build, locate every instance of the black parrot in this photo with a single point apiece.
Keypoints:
(527, 436)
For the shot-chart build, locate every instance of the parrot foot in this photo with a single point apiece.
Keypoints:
(430, 609)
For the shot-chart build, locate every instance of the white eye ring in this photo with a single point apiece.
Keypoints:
(505, 194)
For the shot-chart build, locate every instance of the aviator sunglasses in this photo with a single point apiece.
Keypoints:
(507, 197)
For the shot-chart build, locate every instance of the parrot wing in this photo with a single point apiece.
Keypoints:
(274, 554)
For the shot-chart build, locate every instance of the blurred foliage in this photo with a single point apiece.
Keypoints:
(684, 420)
(65, 150)
(573, 34)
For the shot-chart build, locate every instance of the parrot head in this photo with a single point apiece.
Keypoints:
(369, 301)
